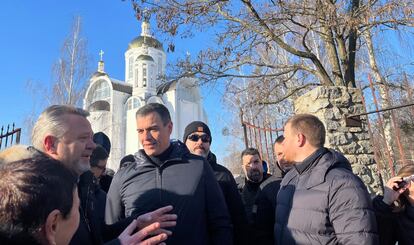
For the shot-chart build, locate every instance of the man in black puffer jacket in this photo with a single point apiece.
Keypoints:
(166, 173)
(197, 138)
(320, 200)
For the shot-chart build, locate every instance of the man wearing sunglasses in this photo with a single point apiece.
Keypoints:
(197, 137)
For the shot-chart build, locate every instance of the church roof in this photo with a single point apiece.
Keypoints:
(167, 86)
(145, 57)
(149, 41)
(98, 74)
(122, 87)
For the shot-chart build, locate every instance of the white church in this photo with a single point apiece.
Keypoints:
(113, 103)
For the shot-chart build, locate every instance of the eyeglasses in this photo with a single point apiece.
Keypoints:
(195, 137)
(102, 168)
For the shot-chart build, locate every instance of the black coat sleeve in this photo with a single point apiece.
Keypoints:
(386, 221)
(264, 218)
(218, 218)
(236, 208)
(114, 210)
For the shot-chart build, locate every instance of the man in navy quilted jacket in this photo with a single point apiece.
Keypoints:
(320, 200)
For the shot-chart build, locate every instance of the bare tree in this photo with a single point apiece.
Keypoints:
(69, 75)
(71, 69)
(320, 37)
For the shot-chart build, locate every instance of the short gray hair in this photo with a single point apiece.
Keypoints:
(51, 122)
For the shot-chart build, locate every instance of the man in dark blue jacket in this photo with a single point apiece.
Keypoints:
(166, 173)
(320, 200)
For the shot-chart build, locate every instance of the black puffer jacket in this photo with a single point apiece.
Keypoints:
(323, 202)
(184, 181)
(264, 217)
(92, 207)
(394, 226)
(92, 229)
(233, 199)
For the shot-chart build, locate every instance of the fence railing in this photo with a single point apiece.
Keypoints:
(261, 135)
(9, 136)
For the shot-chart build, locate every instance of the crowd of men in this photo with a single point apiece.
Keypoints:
(175, 192)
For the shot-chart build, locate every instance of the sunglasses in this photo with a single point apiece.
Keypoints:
(195, 137)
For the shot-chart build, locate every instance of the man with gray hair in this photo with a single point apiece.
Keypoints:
(64, 133)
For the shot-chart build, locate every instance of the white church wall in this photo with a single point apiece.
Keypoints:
(117, 129)
(131, 137)
(170, 102)
(188, 112)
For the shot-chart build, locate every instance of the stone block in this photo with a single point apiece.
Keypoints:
(310, 106)
(332, 126)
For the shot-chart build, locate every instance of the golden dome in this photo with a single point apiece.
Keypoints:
(149, 41)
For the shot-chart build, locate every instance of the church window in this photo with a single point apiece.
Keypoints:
(152, 73)
(133, 103)
(130, 69)
(136, 77)
(144, 75)
(159, 65)
(102, 91)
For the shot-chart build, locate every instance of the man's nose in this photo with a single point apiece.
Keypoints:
(91, 144)
(146, 135)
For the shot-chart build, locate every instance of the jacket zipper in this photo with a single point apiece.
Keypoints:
(159, 180)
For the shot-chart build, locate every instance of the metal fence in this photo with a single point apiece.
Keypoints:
(9, 136)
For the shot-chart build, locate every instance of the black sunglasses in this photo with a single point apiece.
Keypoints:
(195, 137)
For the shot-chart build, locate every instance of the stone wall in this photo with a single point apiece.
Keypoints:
(330, 105)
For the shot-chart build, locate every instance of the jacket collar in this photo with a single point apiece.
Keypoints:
(211, 158)
(178, 153)
(310, 160)
(316, 172)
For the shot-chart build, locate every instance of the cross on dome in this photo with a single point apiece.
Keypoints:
(101, 53)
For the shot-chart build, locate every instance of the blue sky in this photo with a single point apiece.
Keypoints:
(32, 33)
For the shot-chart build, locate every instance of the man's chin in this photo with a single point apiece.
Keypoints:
(200, 152)
(83, 167)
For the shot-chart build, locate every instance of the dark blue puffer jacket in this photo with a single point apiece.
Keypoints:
(324, 204)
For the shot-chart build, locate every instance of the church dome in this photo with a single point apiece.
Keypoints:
(145, 57)
(98, 74)
(148, 41)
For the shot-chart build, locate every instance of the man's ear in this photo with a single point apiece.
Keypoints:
(51, 226)
(170, 127)
(50, 144)
(301, 139)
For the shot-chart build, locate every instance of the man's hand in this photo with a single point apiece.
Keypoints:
(160, 215)
(391, 191)
(139, 238)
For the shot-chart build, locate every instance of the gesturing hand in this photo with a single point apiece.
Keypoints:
(160, 215)
(391, 191)
(139, 238)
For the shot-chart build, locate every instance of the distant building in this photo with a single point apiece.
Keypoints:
(113, 103)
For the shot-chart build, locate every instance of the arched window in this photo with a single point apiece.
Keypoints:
(159, 73)
(101, 91)
(133, 103)
(144, 75)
